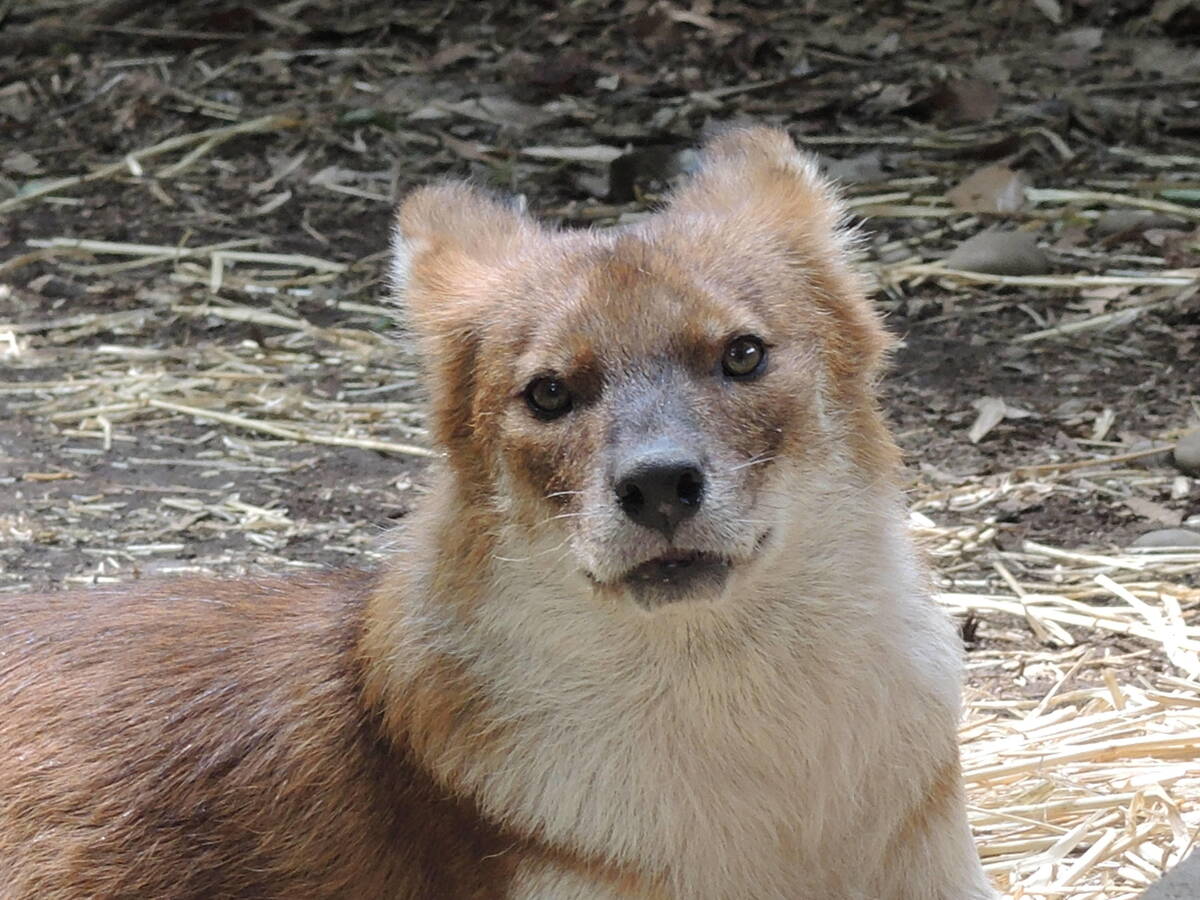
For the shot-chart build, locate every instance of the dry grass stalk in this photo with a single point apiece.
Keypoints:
(294, 433)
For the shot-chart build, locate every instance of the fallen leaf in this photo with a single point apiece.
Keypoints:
(992, 189)
(1134, 221)
(1103, 423)
(568, 71)
(1051, 9)
(865, 168)
(991, 414)
(1168, 537)
(1148, 509)
(724, 31)
(1081, 38)
(472, 150)
(21, 163)
(1165, 10)
(887, 45)
(992, 411)
(498, 111)
(448, 56)
(967, 100)
(1165, 58)
(889, 98)
(993, 68)
(431, 112)
(1186, 196)
(16, 101)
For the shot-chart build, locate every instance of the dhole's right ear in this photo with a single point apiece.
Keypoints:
(449, 249)
(448, 242)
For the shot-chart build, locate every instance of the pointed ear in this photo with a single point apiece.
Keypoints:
(756, 180)
(448, 241)
(757, 173)
(449, 248)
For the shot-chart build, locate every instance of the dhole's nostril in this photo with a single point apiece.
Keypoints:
(690, 487)
(630, 496)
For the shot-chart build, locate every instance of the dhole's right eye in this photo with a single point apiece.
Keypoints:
(548, 397)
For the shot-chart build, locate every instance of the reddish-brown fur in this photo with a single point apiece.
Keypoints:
(209, 739)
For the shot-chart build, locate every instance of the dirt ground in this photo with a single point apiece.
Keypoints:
(172, 402)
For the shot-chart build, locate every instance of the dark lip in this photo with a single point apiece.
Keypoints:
(677, 568)
(679, 575)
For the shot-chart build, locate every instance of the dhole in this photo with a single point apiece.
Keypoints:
(657, 632)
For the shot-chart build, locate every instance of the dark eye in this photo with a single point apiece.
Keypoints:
(548, 397)
(744, 356)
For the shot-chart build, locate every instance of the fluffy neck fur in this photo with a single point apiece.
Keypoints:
(699, 745)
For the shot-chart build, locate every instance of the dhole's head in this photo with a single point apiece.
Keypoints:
(647, 401)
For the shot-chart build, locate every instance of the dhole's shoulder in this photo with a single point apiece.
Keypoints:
(123, 667)
(199, 716)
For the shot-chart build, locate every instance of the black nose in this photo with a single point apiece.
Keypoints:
(660, 489)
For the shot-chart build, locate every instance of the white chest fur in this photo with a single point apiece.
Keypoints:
(777, 738)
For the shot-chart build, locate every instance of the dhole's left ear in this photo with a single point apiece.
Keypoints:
(756, 175)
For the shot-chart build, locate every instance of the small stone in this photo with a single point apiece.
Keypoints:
(1181, 486)
(1000, 253)
(1181, 883)
(1187, 453)
(1168, 537)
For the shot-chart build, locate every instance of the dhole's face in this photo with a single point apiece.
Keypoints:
(641, 405)
(646, 413)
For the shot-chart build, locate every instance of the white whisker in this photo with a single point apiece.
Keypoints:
(510, 559)
(755, 461)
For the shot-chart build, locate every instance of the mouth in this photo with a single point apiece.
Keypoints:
(681, 575)
(677, 576)
(678, 568)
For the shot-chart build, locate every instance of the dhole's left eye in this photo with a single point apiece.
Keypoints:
(548, 397)
(744, 356)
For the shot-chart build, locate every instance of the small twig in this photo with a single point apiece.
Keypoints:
(1169, 278)
(262, 124)
(1053, 195)
(1092, 323)
(293, 434)
(223, 251)
(1090, 463)
(99, 321)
